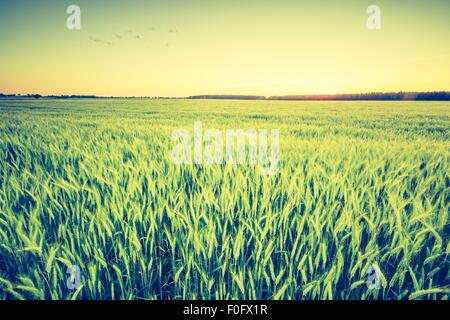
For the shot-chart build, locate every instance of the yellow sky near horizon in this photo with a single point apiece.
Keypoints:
(179, 48)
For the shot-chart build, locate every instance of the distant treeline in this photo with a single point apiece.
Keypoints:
(233, 97)
(105, 97)
(393, 96)
(414, 96)
(417, 96)
(38, 96)
(31, 95)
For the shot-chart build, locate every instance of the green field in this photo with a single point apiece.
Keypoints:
(90, 183)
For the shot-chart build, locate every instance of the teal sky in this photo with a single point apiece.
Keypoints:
(179, 48)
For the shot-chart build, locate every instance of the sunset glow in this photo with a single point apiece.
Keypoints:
(178, 48)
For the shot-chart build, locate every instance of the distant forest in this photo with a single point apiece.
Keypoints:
(411, 96)
(231, 97)
(393, 96)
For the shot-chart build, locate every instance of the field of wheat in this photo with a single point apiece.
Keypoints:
(90, 183)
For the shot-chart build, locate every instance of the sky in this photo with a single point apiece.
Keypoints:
(187, 47)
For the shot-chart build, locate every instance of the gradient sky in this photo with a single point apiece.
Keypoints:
(178, 48)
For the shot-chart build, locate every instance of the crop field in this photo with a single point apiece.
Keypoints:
(91, 183)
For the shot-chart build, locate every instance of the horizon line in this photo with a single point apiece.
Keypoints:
(443, 95)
